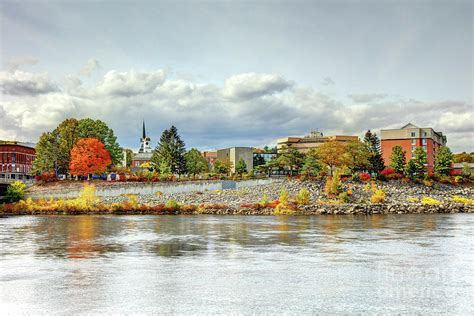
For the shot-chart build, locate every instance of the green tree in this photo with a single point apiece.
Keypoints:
(171, 150)
(356, 156)
(463, 157)
(291, 158)
(88, 128)
(376, 162)
(241, 167)
(258, 160)
(311, 165)
(398, 159)
(47, 154)
(331, 154)
(66, 136)
(195, 162)
(443, 161)
(128, 157)
(410, 169)
(420, 161)
(15, 192)
(466, 170)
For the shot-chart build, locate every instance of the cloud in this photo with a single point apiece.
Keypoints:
(22, 83)
(327, 81)
(90, 67)
(249, 111)
(252, 85)
(131, 83)
(16, 63)
(367, 97)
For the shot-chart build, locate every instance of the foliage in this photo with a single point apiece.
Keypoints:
(15, 192)
(258, 160)
(410, 169)
(378, 196)
(356, 156)
(87, 197)
(466, 171)
(376, 162)
(283, 198)
(88, 156)
(331, 154)
(303, 197)
(264, 200)
(429, 201)
(333, 185)
(343, 197)
(311, 165)
(463, 200)
(443, 161)
(128, 157)
(46, 154)
(356, 177)
(364, 176)
(463, 157)
(170, 151)
(222, 167)
(387, 171)
(420, 161)
(290, 158)
(412, 199)
(195, 162)
(398, 159)
(241, 167)
(172, 205)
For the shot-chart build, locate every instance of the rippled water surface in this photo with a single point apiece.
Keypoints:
(247, 265)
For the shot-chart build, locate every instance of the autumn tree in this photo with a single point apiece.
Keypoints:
(290, 158)
(89, 156)
(398, 159)
(376, 162)
(195, 162)
(331, 154)
(443, 161)
(222, 167)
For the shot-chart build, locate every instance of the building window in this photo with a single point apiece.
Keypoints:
(424, 141)
(413, 148)
(412, 134)
(413, 141)
(425, 134)
(425, 148)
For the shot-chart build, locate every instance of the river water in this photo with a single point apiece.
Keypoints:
(239, 265)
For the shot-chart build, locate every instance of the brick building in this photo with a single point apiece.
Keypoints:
(16, 160)
(211, 157)
(409, 137)
(313, 140)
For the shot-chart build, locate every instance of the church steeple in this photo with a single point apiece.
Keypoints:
(145, 141)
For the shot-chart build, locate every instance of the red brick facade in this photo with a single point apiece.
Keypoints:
(16, 160)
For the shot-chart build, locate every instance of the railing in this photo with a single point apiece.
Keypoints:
(26, 181)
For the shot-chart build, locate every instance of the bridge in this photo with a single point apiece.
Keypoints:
(4, 183)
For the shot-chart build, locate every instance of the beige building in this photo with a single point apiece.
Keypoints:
(234, 154)
(313, 140)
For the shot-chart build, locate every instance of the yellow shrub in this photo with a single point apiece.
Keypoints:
(283, 209)
(378, 196)
(283, 199)
(264, 201)
(328, 202)
(172, 205)
(132, 198)
(413, 199)
(463, 200)
(429, 201)
(303, 197)
(158, 193)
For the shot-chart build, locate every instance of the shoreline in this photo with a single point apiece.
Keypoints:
(308, 210)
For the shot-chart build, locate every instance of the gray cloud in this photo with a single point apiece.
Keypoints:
(367, 97)
(21, 83)
(252, 85)
(90, 67)
(327, 81)
(208, 118)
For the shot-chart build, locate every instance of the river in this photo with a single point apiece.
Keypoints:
(240, 265)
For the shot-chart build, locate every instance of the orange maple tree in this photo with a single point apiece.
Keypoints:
(89, 156)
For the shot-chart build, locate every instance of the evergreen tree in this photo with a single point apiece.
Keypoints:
(291, 158)
(311, 165)
(398, 159)
(376, 162)
(443, 161)
(420, 161)
(170, 151)
(410, 169)
(258, 160)
(241, 167)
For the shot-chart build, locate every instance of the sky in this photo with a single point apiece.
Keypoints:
(238, 73)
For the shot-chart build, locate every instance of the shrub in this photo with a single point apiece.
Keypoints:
(283, 199)
(15, 191)
(333, 186)
(328, 202)
(378, 195)
(463, 200)
(133, 200)
(283, 209)
(343, 197)
(87, 197)
(387, 171)
(264, 201)
(364, 176)
(412, 199)
(428, 183)
(429, 201)
(158, 193)
(458, 179)
(356, 177)
(303, 197)
(172, 205)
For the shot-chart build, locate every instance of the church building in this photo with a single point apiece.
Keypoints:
(145, 152)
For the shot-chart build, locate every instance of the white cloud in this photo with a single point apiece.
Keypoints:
(252, 85)
(90, 67)
(16, 63)
(22, 83)
(130, 83)
(367, 97)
